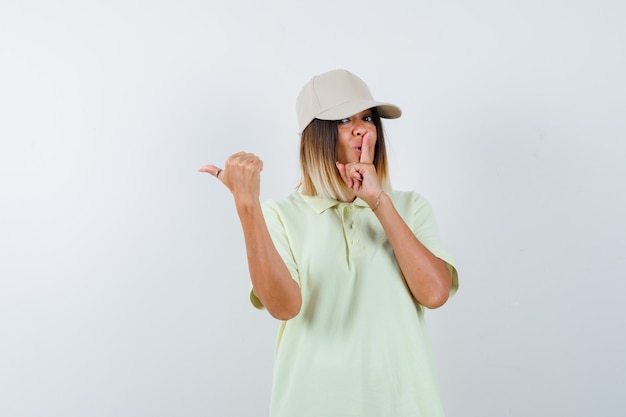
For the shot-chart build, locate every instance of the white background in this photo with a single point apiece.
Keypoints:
(123, 283)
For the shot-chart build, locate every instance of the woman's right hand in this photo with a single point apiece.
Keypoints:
(242, 175)
(271, 280)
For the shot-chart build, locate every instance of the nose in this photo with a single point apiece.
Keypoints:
(359, 128)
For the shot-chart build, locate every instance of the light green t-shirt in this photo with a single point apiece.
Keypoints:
(359, 346)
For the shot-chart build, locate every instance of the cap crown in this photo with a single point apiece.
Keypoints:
(335, 95)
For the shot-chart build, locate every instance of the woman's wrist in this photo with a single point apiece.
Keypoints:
(376, 203)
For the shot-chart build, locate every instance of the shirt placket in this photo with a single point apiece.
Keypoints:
(352, 231)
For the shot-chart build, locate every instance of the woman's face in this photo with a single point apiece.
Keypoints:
(351, 132)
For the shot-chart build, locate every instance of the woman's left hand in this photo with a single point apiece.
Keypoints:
(360, 176)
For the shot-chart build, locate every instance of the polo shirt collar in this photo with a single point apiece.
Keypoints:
(321, 204)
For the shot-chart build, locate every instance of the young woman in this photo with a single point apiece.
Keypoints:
(346, 263)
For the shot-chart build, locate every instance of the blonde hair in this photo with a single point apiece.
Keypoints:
(318, 157)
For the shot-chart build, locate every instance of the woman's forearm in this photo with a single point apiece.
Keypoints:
(271, 279)
(427, 276)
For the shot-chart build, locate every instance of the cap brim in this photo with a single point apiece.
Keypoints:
(341, 111)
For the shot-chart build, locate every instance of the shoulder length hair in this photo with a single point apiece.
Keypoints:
(318, 157)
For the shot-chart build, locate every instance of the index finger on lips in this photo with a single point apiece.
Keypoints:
(365, 149)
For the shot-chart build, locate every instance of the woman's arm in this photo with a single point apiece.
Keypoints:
(271, 279)
(427, 276)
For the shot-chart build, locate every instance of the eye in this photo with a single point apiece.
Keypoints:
(368, 118)
(343, 121)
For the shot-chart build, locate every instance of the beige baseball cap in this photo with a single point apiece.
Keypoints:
(335, 95)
